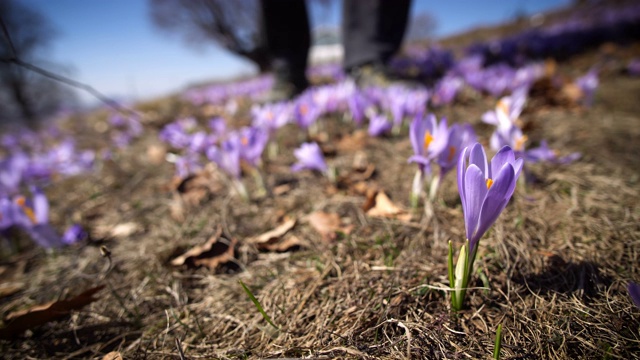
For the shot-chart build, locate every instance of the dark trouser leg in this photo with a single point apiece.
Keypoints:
(287, 36)
(372, 30)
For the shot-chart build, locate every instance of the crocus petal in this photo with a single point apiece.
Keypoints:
(462, 168)
(45, 236)
(73, 234)
(517, 166)
(419, 159)
(475, 189)
(503, 156)
(40, 206)
(478, 158)
(490, 118)
(496, 200)
(634, 292)
(416, 134)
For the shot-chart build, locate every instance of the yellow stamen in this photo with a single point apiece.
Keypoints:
(20, 201)
(489, 183)
(304, 109)
(519, 145)
(503, 107)
(269, 115)
(427, 139)
(244, 141)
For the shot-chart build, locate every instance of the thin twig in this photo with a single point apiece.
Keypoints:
(14, 59)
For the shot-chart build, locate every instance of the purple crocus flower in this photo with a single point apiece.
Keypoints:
(218, 126)
(11, 172)
(73, 234)
(634, 292)
(252, 141)
(187, 164)
(544, 153)
(199, 142)
(507, 111)
(588, 84)
(460, 136)
(485, 188)
(402, 102)
(271, 116)
(428, 139)
(227, 157)
(126, 128)
(358, 104)
(177, 133)
(446, 89)
(633, 68)
(65, 159)
(34, 219)
(9, 212)
(511, 137)
(378, 125)
(309, 157)
(305, 111)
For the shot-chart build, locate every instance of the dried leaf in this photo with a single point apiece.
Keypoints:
(114, 355)
(288, 243)
(362, 170)
(384, 207)
(571, 92)
(176, 208)
(197, 187)
(328, 224)
(281, 189)
(12, 278)
(10, 288)
(353, 142)
(125, 229)
(22, 320)
(156, 154)
(213, 253)
(270, 239)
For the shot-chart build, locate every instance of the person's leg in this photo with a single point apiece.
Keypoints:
(372, 30)
(287, 36)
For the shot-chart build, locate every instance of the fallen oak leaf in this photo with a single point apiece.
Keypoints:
(270, 239)
(281, 189)
(10, 288)
(353, 142)
(19, 321)
(114, 355)
(328, 224)
(213, 253)
(288, 243)
(195, 188)
(125, 229)
(11, 278)
(384, 207)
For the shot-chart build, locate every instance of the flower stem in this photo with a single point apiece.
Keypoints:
(262, 189)
(435, 185)
(332, 174)
(498, 343)
(241, 189)
(272, 150)
(416, 188)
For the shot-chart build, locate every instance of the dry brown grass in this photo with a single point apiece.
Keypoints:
(556, 263)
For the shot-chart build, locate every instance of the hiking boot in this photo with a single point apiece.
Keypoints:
(376, 75)
(370, 75)
(283, 90)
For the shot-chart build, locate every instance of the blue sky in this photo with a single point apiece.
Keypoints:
(113, 46)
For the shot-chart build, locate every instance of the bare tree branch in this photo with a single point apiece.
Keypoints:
(11, 55)
(233, 25)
